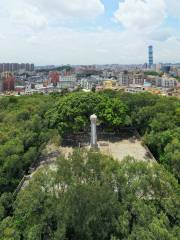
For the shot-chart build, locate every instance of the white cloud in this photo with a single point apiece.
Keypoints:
(70, 8)
(144, 15)
(160, 35)
(23, 14)
(20, 14)
(173, 7)
(37, 14)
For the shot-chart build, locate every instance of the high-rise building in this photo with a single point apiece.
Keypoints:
(151, 62)
(15, 67)
(32, 67)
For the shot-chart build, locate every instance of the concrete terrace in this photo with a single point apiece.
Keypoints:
(118, 145)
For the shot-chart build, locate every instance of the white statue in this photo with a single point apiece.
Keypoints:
(93, 119)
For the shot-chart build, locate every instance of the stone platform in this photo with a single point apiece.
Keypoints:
(118, 145)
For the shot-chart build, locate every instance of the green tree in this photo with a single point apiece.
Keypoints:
(72, 113)
(91, 196)
(8, 230)
(112, 112)
(171, 157)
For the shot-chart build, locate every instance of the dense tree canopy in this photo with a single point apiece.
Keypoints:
(91, 196)
(23, 133)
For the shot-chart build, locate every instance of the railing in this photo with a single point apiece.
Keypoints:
(23, 180)
(42, 159)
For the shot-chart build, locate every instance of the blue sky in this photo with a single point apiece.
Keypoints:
(89, 31)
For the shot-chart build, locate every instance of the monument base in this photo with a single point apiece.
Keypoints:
(94, 146)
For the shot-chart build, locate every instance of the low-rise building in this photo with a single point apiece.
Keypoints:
(168, 82)
(69, 82)
(138, 78)
(90, 82)
(123, 79)
(1, 84)
(110, 84)
(8, 82)
(20, 89)
(54, 77)
(135, 89)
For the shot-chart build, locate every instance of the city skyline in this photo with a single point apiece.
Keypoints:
(95, 32)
